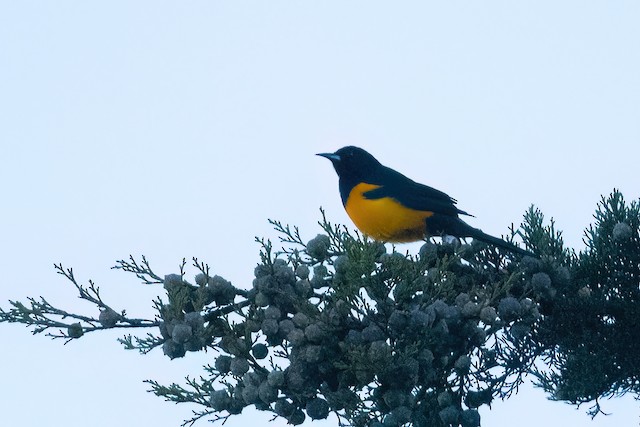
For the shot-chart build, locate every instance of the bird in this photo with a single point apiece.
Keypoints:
(390, 207)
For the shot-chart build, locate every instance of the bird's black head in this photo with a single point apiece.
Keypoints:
(352, 163)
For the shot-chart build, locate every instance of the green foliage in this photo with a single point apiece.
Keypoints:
(61, 324)
(591, 331)
(345, 325)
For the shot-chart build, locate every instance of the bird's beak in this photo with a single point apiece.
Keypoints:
(331, 156)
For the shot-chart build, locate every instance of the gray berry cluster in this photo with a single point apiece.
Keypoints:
(342, 326)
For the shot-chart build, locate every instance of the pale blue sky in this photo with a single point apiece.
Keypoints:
(176, 129)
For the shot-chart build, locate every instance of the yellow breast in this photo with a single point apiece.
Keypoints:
(385, 219)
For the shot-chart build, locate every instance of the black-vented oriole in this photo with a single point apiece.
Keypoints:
(388, 206)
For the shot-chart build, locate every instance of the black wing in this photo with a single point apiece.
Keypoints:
(414, 195)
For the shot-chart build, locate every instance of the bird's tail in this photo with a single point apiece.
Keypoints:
(444, 224)
(495, 241)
